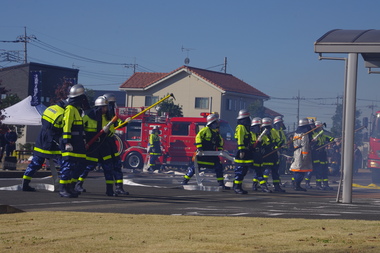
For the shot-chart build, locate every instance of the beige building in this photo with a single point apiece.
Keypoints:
(196, 90)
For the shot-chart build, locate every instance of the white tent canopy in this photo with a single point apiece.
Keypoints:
(23, 113)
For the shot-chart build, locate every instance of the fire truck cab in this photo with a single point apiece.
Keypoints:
(177, 137)
(373, 161)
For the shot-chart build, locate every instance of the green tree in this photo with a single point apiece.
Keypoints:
(7, 99)
(170, 108)
(61, 92)
(336, 128)
(256, 109)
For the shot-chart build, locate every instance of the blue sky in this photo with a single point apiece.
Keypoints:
(268, 44)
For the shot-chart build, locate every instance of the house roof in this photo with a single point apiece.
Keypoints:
(271, 113)
(223, 81)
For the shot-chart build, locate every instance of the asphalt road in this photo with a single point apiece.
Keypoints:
(162, 194)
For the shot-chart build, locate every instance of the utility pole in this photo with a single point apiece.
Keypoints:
(25, 39)
(298, 105)
(225, 64)
(131, 66)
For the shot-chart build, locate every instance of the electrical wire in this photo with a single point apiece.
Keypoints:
(45, 46)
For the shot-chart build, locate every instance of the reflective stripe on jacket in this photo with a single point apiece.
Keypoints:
(73, 133)
(47, 142)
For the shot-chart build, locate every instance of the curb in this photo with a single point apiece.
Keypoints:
(19, 174)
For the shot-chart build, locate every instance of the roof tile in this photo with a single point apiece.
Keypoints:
(223, 81)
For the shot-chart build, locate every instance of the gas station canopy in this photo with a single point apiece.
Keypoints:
(364, 42)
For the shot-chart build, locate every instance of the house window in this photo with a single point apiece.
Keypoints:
(201, 103)
(242, 105)
(230, 105)
(150, 100)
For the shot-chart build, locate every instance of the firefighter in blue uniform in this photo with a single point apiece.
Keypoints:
(278, 124)
(154, 150)
(258, 179)
(209, 139)
(111, 140)
(47, 143)
(321, 168)
(72, 145)
(101, 151)
(314, 155)
(271, 161)
(244, 156)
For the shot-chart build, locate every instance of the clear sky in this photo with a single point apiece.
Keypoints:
(268, 44)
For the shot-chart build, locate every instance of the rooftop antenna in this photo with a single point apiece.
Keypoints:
(187, 59)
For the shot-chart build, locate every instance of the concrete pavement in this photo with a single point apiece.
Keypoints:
(162, 194)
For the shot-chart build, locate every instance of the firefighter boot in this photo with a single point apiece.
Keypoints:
(26, 187)
(255, 186)
(326, 186)
(319, 185)
(185, 181)
(307, 184)
(109, 190)
(299, 188)
(79, 186)
(277, 188)
(64, 191)
(71, 189)
(119, 189)
(221, 184)
(150, 170)
(264, 188)
(239, 189)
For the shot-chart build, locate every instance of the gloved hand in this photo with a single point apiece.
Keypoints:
(106, 129)
(153, 150)
(68, 147)
(199, 150)
(242, 154)
(127, 119)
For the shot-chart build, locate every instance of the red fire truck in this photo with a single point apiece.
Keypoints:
(177, 137)
(373, 161)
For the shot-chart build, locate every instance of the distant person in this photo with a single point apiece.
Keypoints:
(358, 159)
(278, 124)
(302, 153)
(321, 167)
(10, 138)
(3, 141)
(208, 139)
(154, 150)
(258, 179)
(271, 161)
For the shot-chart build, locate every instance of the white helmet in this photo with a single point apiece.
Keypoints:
(110, 97)
(311, 121)
(303, 122)
(256, 121)
(101, 101)
(211, 118)
(243, 113)
(266, 122)
(318, 123)
(277, 119)
(76, 91)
